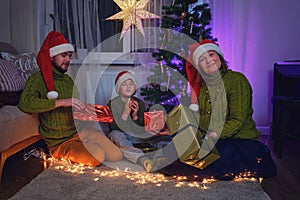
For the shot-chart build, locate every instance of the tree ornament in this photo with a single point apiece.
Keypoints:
(132, 13)
(182, 15)
(200, 38)
(170, 35)
(184, 90)
(192, 24)
(161, 67)
(168, 83)
(182, 53)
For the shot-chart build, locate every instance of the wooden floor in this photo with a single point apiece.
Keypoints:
(286, 185)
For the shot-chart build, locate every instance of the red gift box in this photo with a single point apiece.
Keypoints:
(94, 112)
(155, 122)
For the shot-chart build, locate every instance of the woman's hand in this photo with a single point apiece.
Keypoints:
(213, 135)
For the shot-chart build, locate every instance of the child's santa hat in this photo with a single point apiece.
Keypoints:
(121, 77)
(196, 50)
(54, 44)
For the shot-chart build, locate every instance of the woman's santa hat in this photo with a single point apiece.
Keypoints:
(54, 44)
(196, 50)
(121, 77)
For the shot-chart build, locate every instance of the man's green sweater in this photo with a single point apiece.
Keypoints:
(56, 124)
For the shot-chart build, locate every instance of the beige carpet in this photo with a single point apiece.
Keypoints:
(128, 181)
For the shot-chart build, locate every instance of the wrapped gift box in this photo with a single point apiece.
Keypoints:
(154, 121)
(182, 117)
(192, 146)
(93, 112)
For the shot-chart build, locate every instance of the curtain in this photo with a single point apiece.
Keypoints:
(82, 22)
(237, 26)
(230, 26)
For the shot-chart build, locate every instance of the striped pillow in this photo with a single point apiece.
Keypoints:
(10, 79)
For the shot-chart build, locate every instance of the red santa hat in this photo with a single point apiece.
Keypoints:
(54, 44)
(121, 77)
(196, 50)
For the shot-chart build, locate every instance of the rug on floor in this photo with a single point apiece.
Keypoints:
(123, 180)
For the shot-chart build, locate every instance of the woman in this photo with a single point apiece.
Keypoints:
(224, 100)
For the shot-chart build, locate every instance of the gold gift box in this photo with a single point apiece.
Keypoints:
(182, 117)
(192, 147)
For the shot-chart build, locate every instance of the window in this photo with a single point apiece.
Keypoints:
(84, 23)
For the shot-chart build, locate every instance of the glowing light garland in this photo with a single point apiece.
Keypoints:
(138, 177)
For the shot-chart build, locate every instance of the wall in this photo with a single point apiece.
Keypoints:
(254, 35)
(275, 38)
(5, 21)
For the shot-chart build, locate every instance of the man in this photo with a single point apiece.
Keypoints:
(52, 94)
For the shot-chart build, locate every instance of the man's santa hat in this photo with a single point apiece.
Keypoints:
(121, 77)
(54, 44)
(196, 50)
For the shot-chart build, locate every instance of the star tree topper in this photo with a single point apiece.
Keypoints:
(132, 13)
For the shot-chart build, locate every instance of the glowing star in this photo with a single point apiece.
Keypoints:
(132, 13)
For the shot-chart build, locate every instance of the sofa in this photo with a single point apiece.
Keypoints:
(18, 130)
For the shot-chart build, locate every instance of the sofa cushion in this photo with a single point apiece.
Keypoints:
(16, 126)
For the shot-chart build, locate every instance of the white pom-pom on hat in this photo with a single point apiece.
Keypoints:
(52, 95)
(194, 107)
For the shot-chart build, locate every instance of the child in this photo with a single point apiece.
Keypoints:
(128, 125)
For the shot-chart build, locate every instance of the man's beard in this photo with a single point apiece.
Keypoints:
(58, 68)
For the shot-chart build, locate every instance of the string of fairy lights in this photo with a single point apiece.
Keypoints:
(139, 178)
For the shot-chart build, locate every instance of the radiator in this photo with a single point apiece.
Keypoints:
(100, 86)
(105, 88)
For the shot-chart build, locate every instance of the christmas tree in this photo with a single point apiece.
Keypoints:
(168, 84)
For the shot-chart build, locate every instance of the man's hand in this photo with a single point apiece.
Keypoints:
(69, 102)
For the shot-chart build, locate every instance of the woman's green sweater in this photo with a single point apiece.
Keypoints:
(226, 106)
(56, 124)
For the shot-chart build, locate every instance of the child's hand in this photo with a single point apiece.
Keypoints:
(134, 107)
(127, 110)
